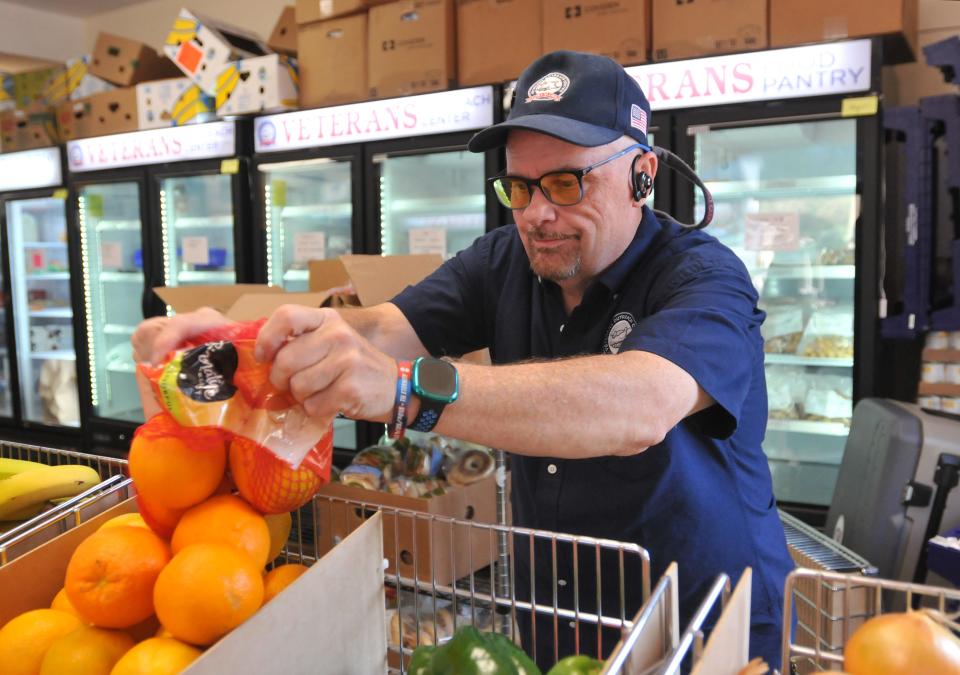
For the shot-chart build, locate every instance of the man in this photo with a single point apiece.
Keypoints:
(629, 384)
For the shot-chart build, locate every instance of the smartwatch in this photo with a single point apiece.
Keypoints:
(437, 384)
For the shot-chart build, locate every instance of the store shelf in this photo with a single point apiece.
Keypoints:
(938, 389)
(942, 355)
(52, 313)
(797, 360)
(451, 205)
(121, 276)
(122, 367)
(118, 329)
(63, 355)
(821, 186)
(202, 222)
(106, 225)
(331, 210)
(296, 275)
(228, 277)
(809, 427)
(806, 272)
(48, 276)
(45, 244)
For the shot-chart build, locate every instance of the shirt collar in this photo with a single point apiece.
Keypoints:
(614, 276)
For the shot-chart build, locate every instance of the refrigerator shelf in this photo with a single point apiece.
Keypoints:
(296, 275)
(446, 205)
(63, 355)
(118, 329)
(47, 276)
(44, 244)
(809, 427)
(122, 368)
(202, 222)
(796, 187)
(331, 210)
(121, 276)
(807, 272)
(133, 224)
(226, 276)
(53, 313)
(798, 360)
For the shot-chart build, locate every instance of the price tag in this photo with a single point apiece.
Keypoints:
(428, 240)
(772, 232)
(60, 193)
(309, 246)
(859, 106)
(231, 165)
(196, 250)
(94, 206)
(111, 255)
(278, 193)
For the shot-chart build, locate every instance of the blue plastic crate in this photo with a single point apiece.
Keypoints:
(945, 561)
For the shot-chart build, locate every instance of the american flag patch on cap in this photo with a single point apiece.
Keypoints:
(638, 118)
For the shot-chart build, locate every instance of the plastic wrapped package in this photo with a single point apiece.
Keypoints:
(829, 398)
(786, 389)
(828, 334)
(782, 330)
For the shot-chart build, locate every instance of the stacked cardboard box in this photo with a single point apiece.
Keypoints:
(706, 27)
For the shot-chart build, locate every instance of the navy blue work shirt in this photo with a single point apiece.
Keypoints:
(703, 497)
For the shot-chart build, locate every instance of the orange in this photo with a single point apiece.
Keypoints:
(224, 520)
(111, 574)
(279, 578)
(62, 602)
(268, 482)
(132, 519)
(279, 525)
(158, 518)
(87, 651)
(176, 467)
(206, 591)
(156, 656)
(163, 632)
(26, 638)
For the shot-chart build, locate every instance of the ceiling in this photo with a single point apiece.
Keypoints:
(78, 8)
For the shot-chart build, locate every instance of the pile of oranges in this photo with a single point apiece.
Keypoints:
(148, 591)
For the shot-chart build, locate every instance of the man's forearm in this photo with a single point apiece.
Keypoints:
(583, 407)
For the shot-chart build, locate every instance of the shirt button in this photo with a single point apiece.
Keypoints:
(561, 582)
(551, 469)
(561, 327)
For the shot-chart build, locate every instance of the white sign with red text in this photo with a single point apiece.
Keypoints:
(155, 146)
(815, 70)
(439, 113)
(30, 169)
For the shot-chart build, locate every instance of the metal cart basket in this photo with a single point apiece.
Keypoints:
(113, 488)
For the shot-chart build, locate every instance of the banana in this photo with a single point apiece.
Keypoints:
(11, 467)
(36, 487)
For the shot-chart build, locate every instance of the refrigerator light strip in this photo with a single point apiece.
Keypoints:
(165, 243)
(268, 226)
(384, 218)
(88, 304)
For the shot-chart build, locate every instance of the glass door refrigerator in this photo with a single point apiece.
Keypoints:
(796, 187)
(38, 372)
(163, 207)
(390, 177)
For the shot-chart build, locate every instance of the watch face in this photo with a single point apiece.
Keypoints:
(437, 380)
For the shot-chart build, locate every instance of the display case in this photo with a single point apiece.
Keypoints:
(111, 252)
(42, 310)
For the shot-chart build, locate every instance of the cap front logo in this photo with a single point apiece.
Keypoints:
(550, 87)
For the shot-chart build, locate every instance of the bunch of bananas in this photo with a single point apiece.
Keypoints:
(29, 488)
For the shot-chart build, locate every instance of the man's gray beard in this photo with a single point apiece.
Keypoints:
(556, 277)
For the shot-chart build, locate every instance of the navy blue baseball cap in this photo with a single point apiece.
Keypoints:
(584, 99)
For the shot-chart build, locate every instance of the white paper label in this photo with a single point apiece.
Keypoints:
(111, 255)
(429, 240)
(785, 321)
(772, 232)
(309, 246)
(838, 323)
(827, 403)
(196, 250)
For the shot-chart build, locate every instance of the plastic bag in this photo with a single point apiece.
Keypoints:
(214, 381)
(782, 330)
(829, 334)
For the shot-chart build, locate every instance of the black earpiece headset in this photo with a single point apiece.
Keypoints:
(642, 182)
(643, 185)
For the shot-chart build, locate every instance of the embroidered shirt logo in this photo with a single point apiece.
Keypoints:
(550, 87)
(619, 329)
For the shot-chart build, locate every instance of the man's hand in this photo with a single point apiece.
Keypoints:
(158, 336)
(326, 365)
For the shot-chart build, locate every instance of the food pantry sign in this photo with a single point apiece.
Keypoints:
(817, 70)
(443, 112)
(156, 146)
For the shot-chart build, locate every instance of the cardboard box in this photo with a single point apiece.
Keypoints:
(411, 47)
(795, 22)
(126, 62)
(619, 29)
(29, 87)
(264, 84)
(440, 556)
(519, 29)
(340, 41)
(111, 112)
(172, 103)
(7, 100)
(373, 278)
(304, 626)
(74, 82)
(283, 39)
(705, 27)
(34, 127)
(203, 48)
(309, 11)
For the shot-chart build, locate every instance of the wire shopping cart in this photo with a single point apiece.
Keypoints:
(113, 488)
(838, 605)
